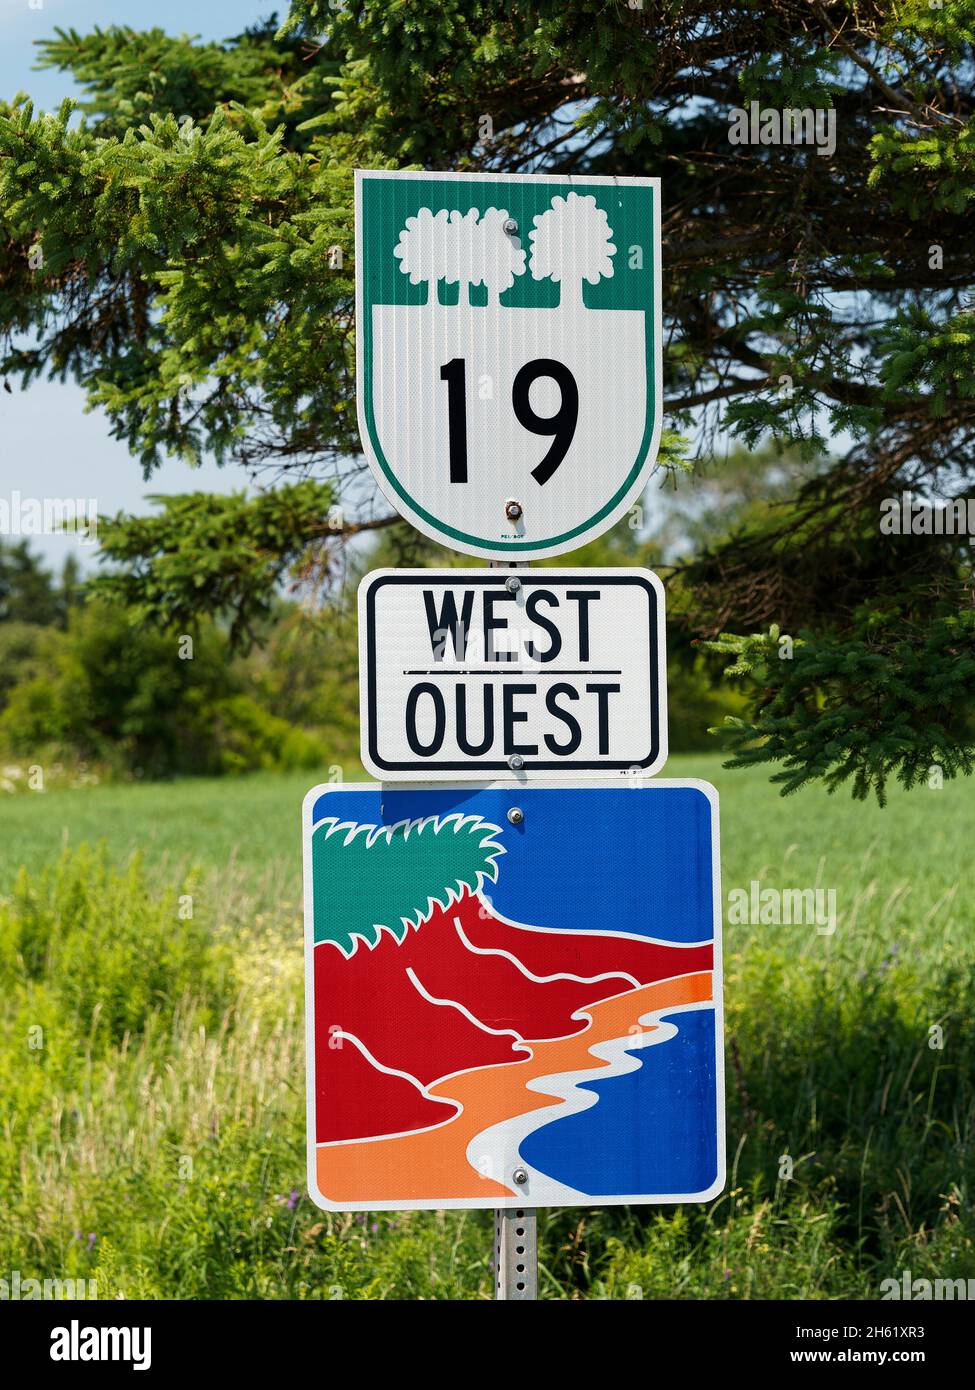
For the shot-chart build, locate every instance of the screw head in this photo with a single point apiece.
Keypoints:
(516, 761)
(520, 1176)
(513, 510)
(512, 585)
(510, 227)
(516, 815)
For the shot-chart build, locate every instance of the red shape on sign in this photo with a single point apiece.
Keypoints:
(464, 990)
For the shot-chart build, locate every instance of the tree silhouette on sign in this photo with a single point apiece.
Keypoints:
(500, 255)
(479, 253)
(459, 254)
(420, 249)
(462, 248)
(571, 244)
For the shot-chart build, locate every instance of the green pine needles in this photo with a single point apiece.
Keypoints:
(865, 710)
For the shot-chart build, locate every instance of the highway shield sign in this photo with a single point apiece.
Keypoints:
(508, 353)
(513, 995)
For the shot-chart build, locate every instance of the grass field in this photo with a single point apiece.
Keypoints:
(151, 1069)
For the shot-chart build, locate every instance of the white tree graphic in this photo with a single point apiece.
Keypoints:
(479, 252)
(459, 254)
(420, 249)
(571, 244)
(500, 255)
(462, 248)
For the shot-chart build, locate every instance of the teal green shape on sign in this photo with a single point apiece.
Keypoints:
(368, 879)
(388, 203)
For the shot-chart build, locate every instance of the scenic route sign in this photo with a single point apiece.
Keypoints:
(475, 673)
(508, 341)
(513, 995)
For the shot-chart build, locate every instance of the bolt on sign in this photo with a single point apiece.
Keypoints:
(508, 347)
(549, 672)
(513, 995)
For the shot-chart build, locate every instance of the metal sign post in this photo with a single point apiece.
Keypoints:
(515, 1232)
(516, 1253)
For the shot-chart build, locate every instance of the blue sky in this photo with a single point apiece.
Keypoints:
(49, 447)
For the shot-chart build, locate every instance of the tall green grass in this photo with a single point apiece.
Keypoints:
(151, 1064)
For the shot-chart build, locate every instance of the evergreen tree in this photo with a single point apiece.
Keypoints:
(71, 588)
(26, 588)
(174, 255)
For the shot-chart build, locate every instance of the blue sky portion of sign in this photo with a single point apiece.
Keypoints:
(604, 859)
(620, 859)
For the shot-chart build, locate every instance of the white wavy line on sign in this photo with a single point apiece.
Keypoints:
(631, 936)
(542, 979)
(404, 1076)
(422, 990)
(494, 1152)
(415, 825)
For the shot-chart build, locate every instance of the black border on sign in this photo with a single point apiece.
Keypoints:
(530, 764)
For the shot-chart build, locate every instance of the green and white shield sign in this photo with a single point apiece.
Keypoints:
(509, 353)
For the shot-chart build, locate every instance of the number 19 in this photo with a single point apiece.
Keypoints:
(561, 426)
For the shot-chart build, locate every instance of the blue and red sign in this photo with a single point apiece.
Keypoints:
(514, 995)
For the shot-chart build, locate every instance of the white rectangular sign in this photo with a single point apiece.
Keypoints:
(480, 673)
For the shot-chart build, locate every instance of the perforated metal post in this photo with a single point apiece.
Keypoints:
(515, 1228)
(516, 1252)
